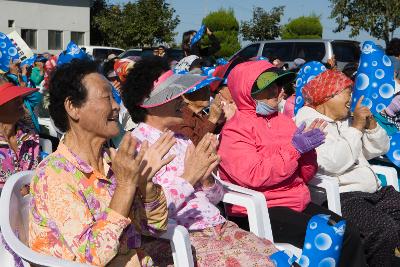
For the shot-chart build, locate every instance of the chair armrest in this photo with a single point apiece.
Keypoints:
(180, 245)
(389, 173)
(255, 204)
(331, 187)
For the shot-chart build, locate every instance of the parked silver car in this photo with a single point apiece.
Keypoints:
(345, 51)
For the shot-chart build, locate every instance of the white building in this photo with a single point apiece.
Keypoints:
(47, 25)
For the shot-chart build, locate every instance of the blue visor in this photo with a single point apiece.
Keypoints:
(203, 83)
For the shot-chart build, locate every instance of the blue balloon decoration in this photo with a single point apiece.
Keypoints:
(221, 61)
(8, 51)
(394, 151)
(323, 242)
(307, 73)
(116, 95)
(199, 34)
(29, 61)
(281, 259)
(72, 52)
(208, 70)
(374, 79)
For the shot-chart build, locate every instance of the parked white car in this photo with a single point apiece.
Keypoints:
(345, 51)
(102, 52)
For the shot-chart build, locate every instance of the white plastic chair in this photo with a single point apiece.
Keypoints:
(14, 219)
(331, 186)
(46, 145)
(390, 174)
(257, 212)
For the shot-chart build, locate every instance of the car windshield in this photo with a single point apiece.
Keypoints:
(346, 51)
(289, 51)
(131, 53)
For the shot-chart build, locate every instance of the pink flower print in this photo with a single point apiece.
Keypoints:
(182, 196)
(195, 206)
(239, 235)
(174, 192)
(232, 262)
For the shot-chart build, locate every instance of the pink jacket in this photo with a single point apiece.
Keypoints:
(257, 151)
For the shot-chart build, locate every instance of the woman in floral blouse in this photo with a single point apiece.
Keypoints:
(90, 204)
(190, 191)
(19, 144)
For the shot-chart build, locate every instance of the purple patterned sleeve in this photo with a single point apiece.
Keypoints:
(214, 193)
(177, 191)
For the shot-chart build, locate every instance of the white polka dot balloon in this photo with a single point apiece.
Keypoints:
(7, 51)
(374, 79)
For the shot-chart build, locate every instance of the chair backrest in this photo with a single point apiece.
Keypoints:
(46, 145)
(14, 218)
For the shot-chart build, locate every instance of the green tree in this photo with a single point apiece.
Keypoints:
(264, 25)
(140, 23)
(305, 27)
(226, 28)
(380, 18)
(96, 36)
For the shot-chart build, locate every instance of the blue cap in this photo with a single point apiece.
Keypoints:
(72, 52)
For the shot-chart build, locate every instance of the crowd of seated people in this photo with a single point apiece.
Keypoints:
(122, 195)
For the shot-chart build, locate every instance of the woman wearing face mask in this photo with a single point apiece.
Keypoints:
(263, 150)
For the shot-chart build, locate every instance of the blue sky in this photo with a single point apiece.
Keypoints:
(191, 12)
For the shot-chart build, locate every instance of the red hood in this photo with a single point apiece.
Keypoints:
(241, 80)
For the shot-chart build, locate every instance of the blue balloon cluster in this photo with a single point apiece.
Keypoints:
(374, 79)
(72, 52)
(8, 51)
(323, 242)
(322, 245)
(307, 73)
(199, 34)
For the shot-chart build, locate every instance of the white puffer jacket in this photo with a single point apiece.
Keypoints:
(346, 150)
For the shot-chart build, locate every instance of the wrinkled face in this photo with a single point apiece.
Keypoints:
(271, 95)
(338, 107)
(99, 114)
(199, 98)
(170, 112)
(12, 111)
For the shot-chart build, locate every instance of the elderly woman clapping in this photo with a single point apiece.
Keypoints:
(19, 144)
(90, 204)
(152, 95)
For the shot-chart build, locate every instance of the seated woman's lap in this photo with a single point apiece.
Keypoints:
(219, 246)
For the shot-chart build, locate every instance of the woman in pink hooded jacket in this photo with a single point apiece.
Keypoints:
(265, 151)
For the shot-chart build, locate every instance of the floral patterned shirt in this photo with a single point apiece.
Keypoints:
(70, 217)
(27, 156)
(192, 207)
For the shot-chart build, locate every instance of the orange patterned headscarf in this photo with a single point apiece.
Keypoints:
(325, 86)
(122, 67)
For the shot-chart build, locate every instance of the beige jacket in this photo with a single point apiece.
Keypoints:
(346, 152)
